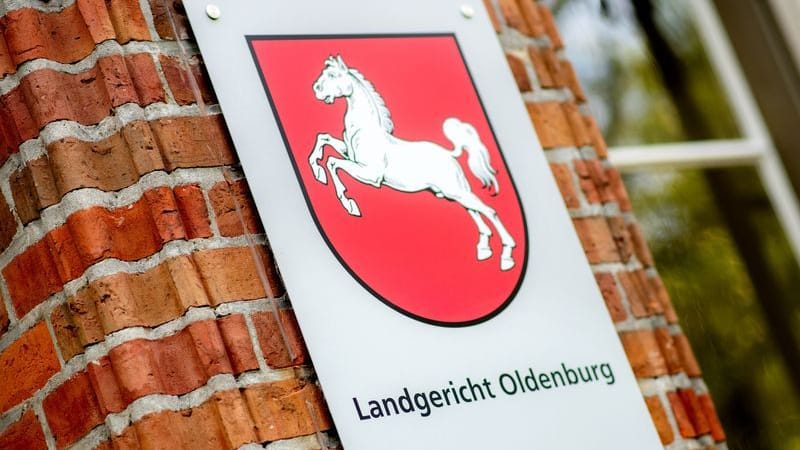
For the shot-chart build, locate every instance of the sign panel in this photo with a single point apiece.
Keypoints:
(435, 273)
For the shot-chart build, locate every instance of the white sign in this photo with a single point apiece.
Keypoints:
(434, 270)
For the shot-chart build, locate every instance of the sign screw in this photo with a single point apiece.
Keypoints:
(213, 12)
(467, 11)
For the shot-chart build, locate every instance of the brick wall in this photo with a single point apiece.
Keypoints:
(136, 280)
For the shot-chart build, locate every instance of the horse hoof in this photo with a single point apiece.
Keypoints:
(352, 208)
(484, 253)
(320, 175)
(506, 264)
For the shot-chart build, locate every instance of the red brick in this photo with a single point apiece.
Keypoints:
(644, 354)
(32, 34)
(128, 20)
(228, 202)
(145, 78)
(660, 420)
(238, 343)
(689, 362)
(24, 434)
(223, 422)
(694, 411)
(162, 22)
(550, 27)
(27, 290)
(580, 133)
(710, 412)
(618, 189)
(3, 317)
(513, 16)
(571, 79)
(16, 122)
(280, 412)
(193, 211)
(622, 239)
(105, 386)
(72, 410)
(231, 274)
(542, 60)
(597, 240)
(127, 233)
(668, 350)
(638, 293)
(62, 247)
(164, 210)
(66, 332)
(180, 81)
(608, 287)
(7, 65)
(95, 14)
(552, 125)
(273, 346)
(566, 186)
(193, 141)
(532, 16)
(173, 365)
(8, 224)
(640, 247)
(685, 426)
(33, 355)
(520, 73)
(586, 181)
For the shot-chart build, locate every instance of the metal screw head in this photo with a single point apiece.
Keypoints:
(467, 11)
(213, 12)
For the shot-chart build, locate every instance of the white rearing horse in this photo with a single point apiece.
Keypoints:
(372, 155)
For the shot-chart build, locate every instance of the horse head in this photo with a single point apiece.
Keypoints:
(334, 81)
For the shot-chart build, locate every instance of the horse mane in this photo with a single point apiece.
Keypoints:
(384, 116)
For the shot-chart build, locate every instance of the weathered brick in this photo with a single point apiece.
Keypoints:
(23, 191)
(180, 81)
(33, 355)
(640, 246)
(608, 287)
(668, 350)
(685, 426)
(598, 142)
(238, 343)
(66, 332)
(644, 353)
(552, 124)
(279, 409)
(223, 422)
(230, 274)
(273, 345)
(660, 420)
(617, 189)
(586, 181)
(694, 411)
(520, 73)
(105, 386)
(570, 78)
(566, 186)
(580, 133)
(173, 365)
(597, 240)
(513, 16)
(24, 434)
(233, 203)
(4, 321)
(8, 224)
(550, 27)
(72, 410)
(532, 16)
(162, 21)
(710, 412)
(662, 296)
(193, 211)
(27, 290)
(193, 141)
(642, 303)
(128, 20)
(547, 67)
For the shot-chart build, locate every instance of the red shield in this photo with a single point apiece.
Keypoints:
(410, 236)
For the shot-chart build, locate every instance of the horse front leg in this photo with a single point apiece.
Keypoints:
(324, 139)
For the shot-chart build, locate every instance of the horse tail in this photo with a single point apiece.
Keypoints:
(465, 137)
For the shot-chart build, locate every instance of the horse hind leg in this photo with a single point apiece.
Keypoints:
(472, 202)
(484, 233)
